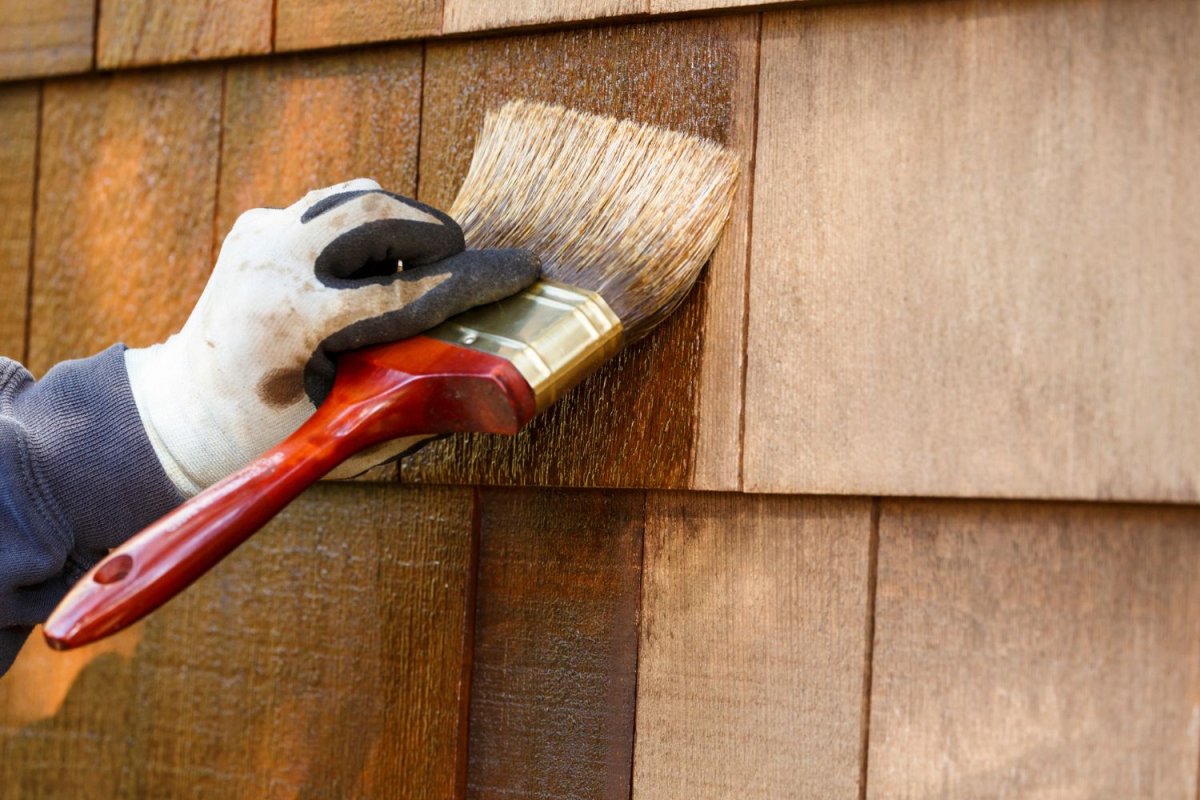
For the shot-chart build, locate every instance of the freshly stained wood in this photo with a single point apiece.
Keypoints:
(471, 15)
(975, 251)
(125, 207)
(324, 658)
(148, 32)
(275, 148)
(556, 634)
(45, 38)
(1035, 650)
(640, 420)
(301, 24)
(18, 150)
(753, 647)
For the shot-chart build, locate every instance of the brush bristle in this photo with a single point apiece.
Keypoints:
(629, 211)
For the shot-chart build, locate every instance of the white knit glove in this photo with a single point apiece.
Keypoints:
(291, 288)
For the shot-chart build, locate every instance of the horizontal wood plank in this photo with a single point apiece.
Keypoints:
(40, 38)
(137, 32)
(555, 658)
(18, 152)
(125, 208)
(301, 24)
(323, 659)
(638, 421)
(1035, 650)
(753, 647)
(974, 251)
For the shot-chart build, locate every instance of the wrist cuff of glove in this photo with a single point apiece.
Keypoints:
(183, 431)
(89, 452)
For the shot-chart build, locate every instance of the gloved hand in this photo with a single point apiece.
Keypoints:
(292, 288)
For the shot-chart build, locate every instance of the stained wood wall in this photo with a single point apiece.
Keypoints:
(902, 503)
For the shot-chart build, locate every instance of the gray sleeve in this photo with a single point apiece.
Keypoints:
(77, 477)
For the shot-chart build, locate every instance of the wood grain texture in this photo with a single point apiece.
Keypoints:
(302, 24)
(717, 449)
(125, 207)
(137, 32)
(637, 422)
(1036, 650)
(462, 16)
(45, 38)
(556, 634)
(323, 659)
(18, 152)
(974, 251)
(753, 647)
(275, 148)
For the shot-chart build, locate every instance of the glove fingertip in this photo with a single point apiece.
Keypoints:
(507, 271)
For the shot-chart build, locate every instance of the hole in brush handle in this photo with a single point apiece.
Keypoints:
(114, 569)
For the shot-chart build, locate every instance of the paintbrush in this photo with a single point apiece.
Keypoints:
(623, 217)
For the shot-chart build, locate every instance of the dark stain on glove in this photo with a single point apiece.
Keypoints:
(281, 387)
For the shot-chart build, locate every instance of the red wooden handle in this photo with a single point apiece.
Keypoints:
(418, 386)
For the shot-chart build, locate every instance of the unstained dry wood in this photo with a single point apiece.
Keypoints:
(679, 6)
(556, 636)
(301, 24)
(1035, 650)
(323, 659)
(470, 15)
(45, 38)
(125, 206)
(753, 647)
(18, 151)
(136, 32)
(974, 255)
(647, 418)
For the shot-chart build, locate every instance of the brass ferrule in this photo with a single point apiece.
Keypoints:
(553, 333)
